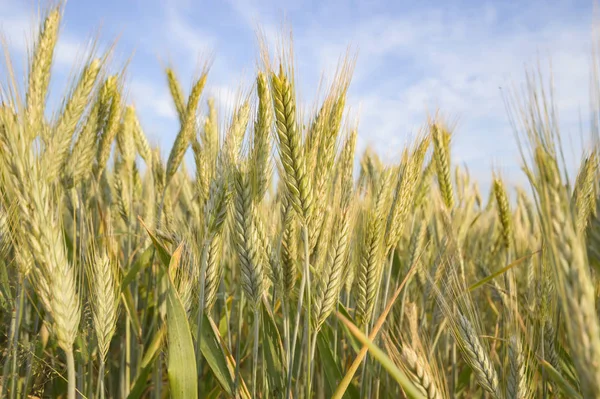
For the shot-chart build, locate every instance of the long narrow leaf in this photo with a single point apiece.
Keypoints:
(182, 360)
(339, 392)
(564, 385)
(384, 360)
(331, 368)
(273, 351)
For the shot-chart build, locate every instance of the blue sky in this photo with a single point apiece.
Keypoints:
(413, 57)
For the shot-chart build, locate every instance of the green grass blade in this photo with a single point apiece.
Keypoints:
(562, 383)
(128, 303)
(384, 360)
(501, 271)
(345, 383)
(181, 365)
(141, 380)
(142, 262)
(273, 352)
(163, 254)
(332, 369)
(220, 362)
(352, 341)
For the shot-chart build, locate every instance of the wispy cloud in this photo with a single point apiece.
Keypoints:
(412, 59)
(425, 59)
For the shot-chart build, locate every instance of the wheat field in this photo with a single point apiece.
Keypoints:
(278, 266)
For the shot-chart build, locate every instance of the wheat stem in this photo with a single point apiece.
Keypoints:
(14, 338)
(200, 318)
(71, 374)
(100, 387)
(303, 288)
(308, 308)
(255, 349)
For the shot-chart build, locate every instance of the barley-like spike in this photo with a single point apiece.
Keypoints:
(206, 153)
(327, 135)
(56, 277)
(417, 241)
(125, 137)
(210, 135)
(420, 373)
(503, 211)
(404, 195)
(571, 272)
(39, 71)
(104, 100)
(113, 121)
(549, 343)
(187, 129)
(517, 384)
(202, 179)
(65, 126)
(289, 247)
(477, 357)
(122, 194)
(158, 174)
(214, 271)
(218, 202)
(425, 184)
(80, 163)
(331, 278)
(177, 95)
(104, 299)
(235, 136)
(290, 146)
(345, 169)
(246, 240)
(441, 156)
(370, 268)
(584, 196)
(261, 150)
(141, 141)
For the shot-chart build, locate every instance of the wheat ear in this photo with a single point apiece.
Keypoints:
(290, 145)
(39, 71)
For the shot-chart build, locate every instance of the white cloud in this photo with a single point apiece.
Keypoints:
(415, 60)
(19, 27)
(151, 98)
(425, 59)
(410, 61)
(191, 39)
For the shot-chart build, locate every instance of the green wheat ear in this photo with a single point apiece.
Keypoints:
(504, 212)
(39, 70)
(187, 129)
(110, 117)
(441, 156)
(289, 142)
(261, 151)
